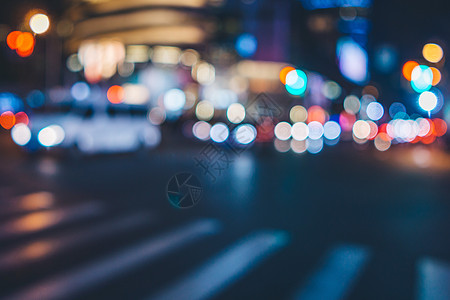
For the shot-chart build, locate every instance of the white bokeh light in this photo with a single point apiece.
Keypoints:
(428, 101)
(51, 136)
(219, 132)
(39, 23)
(21, 134)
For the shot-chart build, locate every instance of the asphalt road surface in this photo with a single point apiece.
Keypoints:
(343, 224)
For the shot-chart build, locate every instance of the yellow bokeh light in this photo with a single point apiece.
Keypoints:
(433, 53)
(298, 114)
(204, 110)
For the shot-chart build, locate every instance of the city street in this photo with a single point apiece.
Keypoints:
(280, 226)
(224, 150)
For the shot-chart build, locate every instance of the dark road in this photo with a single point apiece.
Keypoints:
(271, 226)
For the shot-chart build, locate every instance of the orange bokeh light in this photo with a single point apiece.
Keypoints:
(284, 72)
(440, 127)
(11, 39)
(7, 120)
(436, 76)
(428, 139)
(384, 136)
(317, 113)
(408, 67)
(25, 42)
(416, 140)
(115, 94)
(25, 53)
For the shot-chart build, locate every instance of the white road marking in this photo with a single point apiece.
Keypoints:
(334, 278)
(110, 266)
(226, 268)
(434, 280)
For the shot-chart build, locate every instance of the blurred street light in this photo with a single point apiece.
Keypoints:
(39, 23)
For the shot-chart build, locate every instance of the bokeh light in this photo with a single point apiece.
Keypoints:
(35, 99)
(204, 110)
(189, 57)
(315, 130)
(352, 104)
(204, 73)
(296, 82)
(382, 142)
(300, 131)
(440, 127)
(436, 76)
(73, 63)
(424, 127)
(22, 118)
(157, 116)
(80, 91)
(21, 134)
(174, 100)
(298, 146)
(7, 120)
(428, 101)
(421, 78)
(331, 90)
(318, 114)
(283, 131)
(375, 111)
(246, 45)
(284, 72)
(125, 69)
(353, 60)
(245, 134)
(201, 130)
(298, 113)
(396, 108)
(39, 23)
(115, 94)
(25, 44)
(432, 52)
(282, 146)
(331, 130)
(408, 67)
(11, 39)
(50, 136)
(236, 113)
(314, 146)
(346, 121)
(361, 129)
(373, 129)
(219, 132)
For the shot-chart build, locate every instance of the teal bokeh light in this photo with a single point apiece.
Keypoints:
(421, 79)
(296, 82)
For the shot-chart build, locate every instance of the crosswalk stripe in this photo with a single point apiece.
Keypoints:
(434, 280)
(225, 268)
(92, 274)
(40, 249)
(334, 278)
(37, 221)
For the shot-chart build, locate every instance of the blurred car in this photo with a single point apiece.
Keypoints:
(93, 133)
